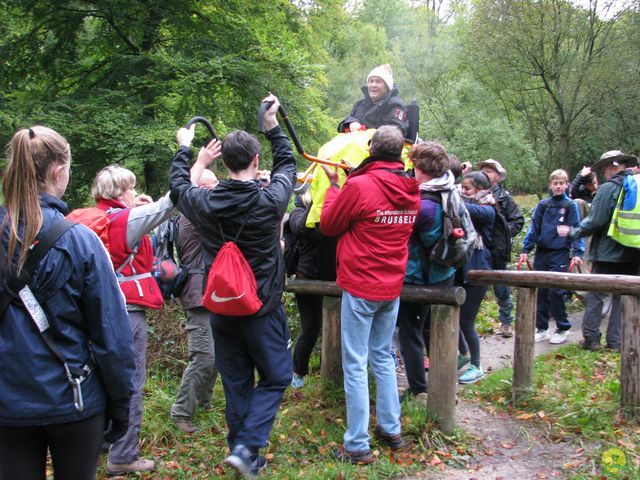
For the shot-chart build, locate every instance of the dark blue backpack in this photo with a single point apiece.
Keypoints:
(170, 276)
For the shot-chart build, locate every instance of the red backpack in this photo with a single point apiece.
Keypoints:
(95, 218)
(231, 285)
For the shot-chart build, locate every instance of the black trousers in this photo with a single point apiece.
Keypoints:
(242, 347)
(413, 335)
(74, 448)
(310, 308)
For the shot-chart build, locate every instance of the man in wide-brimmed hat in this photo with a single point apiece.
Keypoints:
(509, 209)
(608, 256)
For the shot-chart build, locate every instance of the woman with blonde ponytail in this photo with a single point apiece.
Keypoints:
(43, 407)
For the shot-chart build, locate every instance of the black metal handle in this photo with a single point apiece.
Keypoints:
(292, 131)
(266, 105)
(206, 123)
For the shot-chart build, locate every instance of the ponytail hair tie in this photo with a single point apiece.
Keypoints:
(31, 134)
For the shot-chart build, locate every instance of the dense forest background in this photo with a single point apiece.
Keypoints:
(536, 84)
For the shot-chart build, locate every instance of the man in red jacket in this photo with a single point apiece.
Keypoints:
(373, 216)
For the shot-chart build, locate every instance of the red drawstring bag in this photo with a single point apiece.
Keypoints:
(231, 286)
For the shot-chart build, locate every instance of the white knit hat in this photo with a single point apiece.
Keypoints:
(385, 73)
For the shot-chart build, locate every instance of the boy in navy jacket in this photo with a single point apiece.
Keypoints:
(547, 235)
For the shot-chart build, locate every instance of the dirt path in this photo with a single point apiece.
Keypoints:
(508, 448)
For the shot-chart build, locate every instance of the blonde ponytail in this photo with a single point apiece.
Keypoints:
(30, 154)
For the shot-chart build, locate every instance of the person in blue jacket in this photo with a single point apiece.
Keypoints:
(553, 253)
(431, 165)
(76, 287)
(480, 203)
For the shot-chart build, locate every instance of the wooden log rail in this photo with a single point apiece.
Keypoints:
(527, 284)
(443, 345)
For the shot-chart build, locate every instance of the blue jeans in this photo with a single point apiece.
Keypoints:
(505, 304)
(367, 329)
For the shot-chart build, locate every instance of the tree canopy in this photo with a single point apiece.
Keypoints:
(536, 84)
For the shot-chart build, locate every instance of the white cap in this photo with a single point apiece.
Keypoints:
(385, 73)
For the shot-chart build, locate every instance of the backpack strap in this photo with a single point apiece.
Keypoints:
(14, 283)
(17, 288)
(544, 206)
(235, 239)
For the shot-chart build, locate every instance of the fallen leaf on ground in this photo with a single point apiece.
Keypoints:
(526, 416)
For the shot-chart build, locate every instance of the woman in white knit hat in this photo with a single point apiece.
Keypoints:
(381, 104)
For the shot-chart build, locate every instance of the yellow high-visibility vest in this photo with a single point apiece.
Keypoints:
(625, 223)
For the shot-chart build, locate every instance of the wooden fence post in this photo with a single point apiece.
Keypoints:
(630, 357)
(331, 366)
(443, 368)
(523, 344)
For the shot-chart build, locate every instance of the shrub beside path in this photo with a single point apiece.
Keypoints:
(508, 448)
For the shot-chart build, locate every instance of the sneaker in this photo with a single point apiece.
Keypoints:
(297, 381)
(259, 464)
(463, 360)
(421, 398)
(471, 375)
(139, 465)
(241, 461)
(506, 330)
(357, 458)
(542, 335)
(560, 336)
(589, 345)
(394, 442)
(615, 348)
(184, 424)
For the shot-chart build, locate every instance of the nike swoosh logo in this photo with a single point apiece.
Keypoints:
(218, 299)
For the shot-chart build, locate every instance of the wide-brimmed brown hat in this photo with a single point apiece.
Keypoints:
(614, 157)
(490, 162)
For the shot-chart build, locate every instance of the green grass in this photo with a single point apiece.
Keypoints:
(576, 395)
(309, 425)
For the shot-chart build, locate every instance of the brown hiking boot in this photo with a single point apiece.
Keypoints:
(184, 424)
(394, 442)
(139, 465)
(357, 458)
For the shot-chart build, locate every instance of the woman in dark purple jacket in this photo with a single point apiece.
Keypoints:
(480, 204)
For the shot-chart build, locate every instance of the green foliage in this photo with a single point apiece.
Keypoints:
(537, 85)
(118, 78)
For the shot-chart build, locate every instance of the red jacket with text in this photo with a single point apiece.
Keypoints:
(142, 289)
(373, 215)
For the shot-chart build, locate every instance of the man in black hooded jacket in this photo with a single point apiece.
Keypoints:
(260, 341)
(381, 104)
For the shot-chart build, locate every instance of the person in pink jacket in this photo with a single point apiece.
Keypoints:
(372, 216)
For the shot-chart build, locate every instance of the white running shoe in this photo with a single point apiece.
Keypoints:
(560, 336)
(542, 335)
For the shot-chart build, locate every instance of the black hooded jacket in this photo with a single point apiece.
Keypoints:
(230, 203)
(389, 110)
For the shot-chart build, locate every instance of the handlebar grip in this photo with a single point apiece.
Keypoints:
(204, 122)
